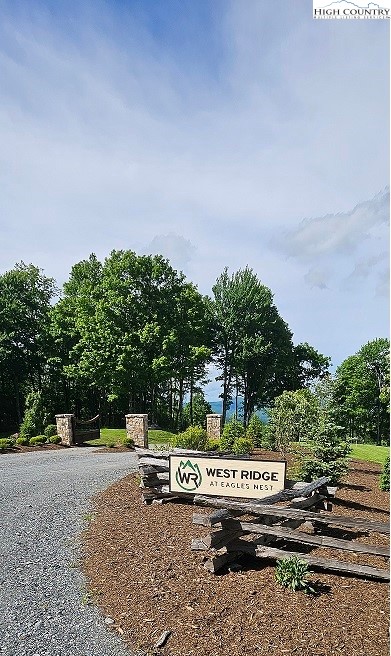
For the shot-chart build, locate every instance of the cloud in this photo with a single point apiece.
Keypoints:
(338, 233)
(317, 278)
(174, 247)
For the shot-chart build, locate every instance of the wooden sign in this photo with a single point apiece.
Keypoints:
(226, 477)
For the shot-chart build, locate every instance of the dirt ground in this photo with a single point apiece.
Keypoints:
(144, 576)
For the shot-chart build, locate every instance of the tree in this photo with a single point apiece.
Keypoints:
(194, 412)
(361, 392)
(25, 295)
(294, 417)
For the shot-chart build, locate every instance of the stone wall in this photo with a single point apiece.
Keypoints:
(213, 426)
(137, 429)
(65, 429)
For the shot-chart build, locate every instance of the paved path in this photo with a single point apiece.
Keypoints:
(44, 500)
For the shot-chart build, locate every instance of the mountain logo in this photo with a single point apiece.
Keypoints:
(188, 476)
(357, 9)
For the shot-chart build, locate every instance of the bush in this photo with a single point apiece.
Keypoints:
(22, 441)
(242, 445)
(193, 438)
(231, 432)
(50, 430)
(128, 442)
(330, 455)
(293, 573)
(37, 440)
(311, 469)
(384, 482)
(212, 444)
(32, 423)
(6, 443)
(54, 439)
(110, 444)
(256, 431)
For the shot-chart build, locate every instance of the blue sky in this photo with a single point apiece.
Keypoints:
(216, 132)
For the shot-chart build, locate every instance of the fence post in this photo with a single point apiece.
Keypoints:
(137, 429)
(213, 426)
(65, 428)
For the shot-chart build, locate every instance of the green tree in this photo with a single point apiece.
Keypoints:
(361, 392)
(294, 417)
(253, 345)
(25, 295)
(194, 413)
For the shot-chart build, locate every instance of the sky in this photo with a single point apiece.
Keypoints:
(214, 132)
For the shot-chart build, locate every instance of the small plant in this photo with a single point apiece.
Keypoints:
(128, 442)
(231, 432)
(6, 443)
(384, 482)
(22, 441)
(293, 573)
(110, 444)
(242, 445)
(256, 431)
(50, 430)
(54, 439)
(193, 438)
(212, 444)
(38, 440)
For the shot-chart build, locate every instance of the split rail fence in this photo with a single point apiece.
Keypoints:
(263, 529)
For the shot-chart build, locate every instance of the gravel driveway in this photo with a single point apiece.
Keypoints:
(44, 502)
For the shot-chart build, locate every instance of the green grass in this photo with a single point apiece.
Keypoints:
(117, 434)
(370, 452)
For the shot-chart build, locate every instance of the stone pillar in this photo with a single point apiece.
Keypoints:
(65, 429)
(137, 429)
(213, 426)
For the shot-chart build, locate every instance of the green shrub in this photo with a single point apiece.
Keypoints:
(242, 445)
(128, 442)
(330, 454)
(231, 432)
(32, 423)
(311, 469)
(193, 438)
(50, 430)
(384, 482)
(293, 573)
(256, 431)
(212, 444)
(22, 441)
(110, 444)
(37, 440)
(6, 443)
(54, 439)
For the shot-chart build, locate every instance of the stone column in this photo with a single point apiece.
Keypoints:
(213, 426)
(65, 429)
(137, 429)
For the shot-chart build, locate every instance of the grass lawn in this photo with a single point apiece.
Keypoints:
(117, 434)
(370, 452)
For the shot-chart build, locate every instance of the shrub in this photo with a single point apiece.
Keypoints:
(32, 423)
(193, 438)
(256, 430)
(293, 573)
(54, 439)
(311, 469)
(242, 445)
(330, 455)
(6, 443)
(50, 430)
(212, 444)
(22, 441)
(231, 432)
(384, 482)
(128, 442)
(110, 444)
(37, 440)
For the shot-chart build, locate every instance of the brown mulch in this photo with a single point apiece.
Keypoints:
(143, 574)
(25, 449)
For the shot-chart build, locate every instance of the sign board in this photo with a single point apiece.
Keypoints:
(226, 477)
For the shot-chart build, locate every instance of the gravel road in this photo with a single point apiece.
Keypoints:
(44, 504)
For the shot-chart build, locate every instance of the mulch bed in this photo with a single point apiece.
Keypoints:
(24, 449)
(143, 575)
